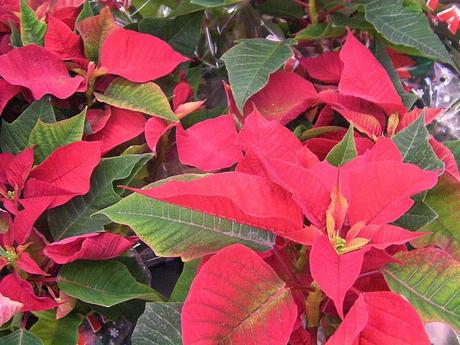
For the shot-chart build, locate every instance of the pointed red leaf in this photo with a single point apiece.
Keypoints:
(138, 57)
(25, 218)
(380, 318)
(311, 188)
(97, 118)
(154, 130)
(335, 274)
(65, 173)
(8, 308)
(27, 264)
(285, 96)
(364, 77)
(62, 41)
(39, 70)
(181, 94)
(243, 198)
(326, 68)
(122, 125)
(245, 299)
(18, 169)
(365, 116)
(210, 144)
(93, 246)
(269, 136)
(383, 236)
(7, 91)
(18, 289)
(379, 197)
(407, 118)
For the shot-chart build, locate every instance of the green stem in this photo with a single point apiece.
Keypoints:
(312, 11)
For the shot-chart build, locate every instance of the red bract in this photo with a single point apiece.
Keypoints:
(138, 57)
(8, 308)
(18, 289)
(121, 125)
(380, 318)
(39, 70)
(284, 97)
(62, 41)
(326, 68)
(237, 298)
(93, 246)
(7, 91)
(210, 144)
(364, 77)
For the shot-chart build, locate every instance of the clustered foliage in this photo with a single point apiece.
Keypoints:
(273, 146)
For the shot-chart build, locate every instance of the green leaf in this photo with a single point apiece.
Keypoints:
(182, 33)
(454, 147)
(56, 332)
(430, 279)
(444, 199)
(187, 6)
(184, 282)
(281, 8)
(20, 337)
(381, 54)
(85, 12)
(32, 30)
(14, 136)
(103, 283)
(317, 131)
(356, 22)
(344, 151)
(75, 217)
(319, 31)
(412, 141)
(148, 98)
(49, 136)
(178, 231)
(419, 215)
(250, 63)
(405, 27)
(159, 325)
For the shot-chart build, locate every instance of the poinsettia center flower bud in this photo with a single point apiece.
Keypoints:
(10, 195)
(11, 255)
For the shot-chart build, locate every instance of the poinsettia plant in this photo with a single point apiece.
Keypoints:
(276, 149)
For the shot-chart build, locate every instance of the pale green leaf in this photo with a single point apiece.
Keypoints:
(147, 98)
(103, 283)
(14, 136)
(430, 279)
(160, 324)
(56, 332)
(250, 63)
(344, 151)
(20, 337)
(402, 26)
(49, 136)
(412, 141)
(454, 147)
(32, 30)
(76, 217)
(177, 231)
